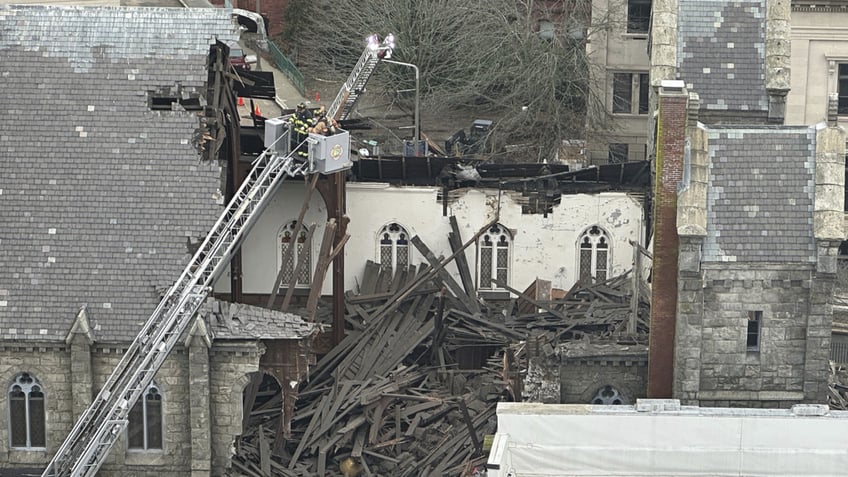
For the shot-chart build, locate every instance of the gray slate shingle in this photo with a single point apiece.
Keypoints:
(98, 193)
(760, 195)
(721, 53)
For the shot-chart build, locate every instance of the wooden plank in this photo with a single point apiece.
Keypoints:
(298, 225)
(455, 242)
(458, 291)
(369, 279)
(264, 452)
(320, 269)
(401, 295)
(471, 431)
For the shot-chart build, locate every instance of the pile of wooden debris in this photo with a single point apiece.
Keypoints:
(412, 389)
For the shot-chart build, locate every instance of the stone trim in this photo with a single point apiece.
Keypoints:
(751, 396)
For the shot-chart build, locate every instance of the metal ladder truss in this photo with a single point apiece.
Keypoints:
(99, 427)
(354, 86)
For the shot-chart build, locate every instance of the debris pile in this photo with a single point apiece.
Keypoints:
(412, 389)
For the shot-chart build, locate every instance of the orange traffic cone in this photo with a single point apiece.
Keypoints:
(256, 111)
(241, 101)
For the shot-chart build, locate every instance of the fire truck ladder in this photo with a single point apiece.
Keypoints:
(96, 431)
(355, 84)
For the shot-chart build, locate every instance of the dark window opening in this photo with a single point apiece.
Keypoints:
(643, 93)
(26, 413)
(622, 93)
(162, 103)
(755, 319)
(618, 153)
(638, 16)
(145, 421)
(843, 89)
(630, 93)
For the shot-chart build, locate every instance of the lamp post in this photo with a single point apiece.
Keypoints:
(417, 126)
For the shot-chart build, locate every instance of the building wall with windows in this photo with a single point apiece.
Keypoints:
(522, 248)
(170, 453)
(819, 60)
(617, 45)
(756, 261)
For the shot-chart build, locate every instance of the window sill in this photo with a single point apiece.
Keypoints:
(27, 455)
(631, 115)
(144, 457)
(635, 36)
(494, 294)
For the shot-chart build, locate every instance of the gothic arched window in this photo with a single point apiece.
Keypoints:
(493, 251)
(26, 413)
(594, 253)
(145, 421)
(301, 255)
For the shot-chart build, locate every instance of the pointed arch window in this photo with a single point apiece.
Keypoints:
(26, 413)
(301, 255)
(145, 421)
(493, 250)
(594, 253)
(394, 247)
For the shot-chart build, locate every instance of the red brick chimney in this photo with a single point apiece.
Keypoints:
(668, 172)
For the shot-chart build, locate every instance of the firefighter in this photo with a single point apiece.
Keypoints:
(301, 122)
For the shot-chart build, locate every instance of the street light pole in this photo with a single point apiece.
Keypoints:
(417, 127)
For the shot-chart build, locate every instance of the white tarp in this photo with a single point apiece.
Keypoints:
(664, 439)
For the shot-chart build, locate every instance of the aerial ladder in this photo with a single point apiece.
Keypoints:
(101, 425)
(353, 88)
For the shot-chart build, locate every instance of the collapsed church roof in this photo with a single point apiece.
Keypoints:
(102, 185)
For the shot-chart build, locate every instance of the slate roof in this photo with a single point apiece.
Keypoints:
(235, 321)
(760, 195)
(98, 193)
(721, 53)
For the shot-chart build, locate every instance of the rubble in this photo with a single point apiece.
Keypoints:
(412, 389)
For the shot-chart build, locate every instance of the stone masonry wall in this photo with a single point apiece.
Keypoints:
(581, 380)
(49, 364)
(230, 366)
(725, 372)
(172, 380)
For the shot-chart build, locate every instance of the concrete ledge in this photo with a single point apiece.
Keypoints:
(751, 395)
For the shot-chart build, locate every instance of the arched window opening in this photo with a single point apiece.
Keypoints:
(608, 395)
(297, 254)
(493, 249)
(145, 421)
(594, 254)
(26, 413)
(394, 247)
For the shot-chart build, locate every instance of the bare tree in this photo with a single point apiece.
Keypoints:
(522, 63)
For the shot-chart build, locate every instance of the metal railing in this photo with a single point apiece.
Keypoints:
(287, 67)
(839, 351)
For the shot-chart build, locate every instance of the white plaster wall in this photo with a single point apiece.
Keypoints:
(543, 247)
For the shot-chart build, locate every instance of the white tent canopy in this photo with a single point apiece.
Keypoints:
(662, 438)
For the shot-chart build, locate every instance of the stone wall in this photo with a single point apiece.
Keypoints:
(582, 379)
(718, 369)
(50, 365)
(183, 454)
(564, 378)
(230, 364)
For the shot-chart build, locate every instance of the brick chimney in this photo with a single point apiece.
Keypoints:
(670, 150)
